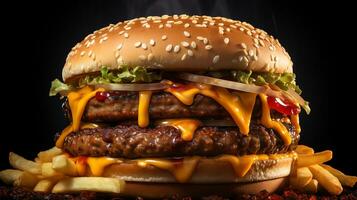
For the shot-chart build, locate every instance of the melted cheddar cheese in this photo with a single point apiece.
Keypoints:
(186, 126)
(269, 123)
(77, 102)
(295, 122)
(69, 129)
(143, 108)
(182, 171)
(239, 105)
(97, 164)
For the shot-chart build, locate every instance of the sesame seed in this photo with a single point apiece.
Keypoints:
(175, 16)
(90, 53)
(271, 47)
(272, 57)
(143, 22)
(251, 52)
(220, 24)
(226, 40)
(146, 25)
(157, 21)
(208, 47)
(117, 54)
(187, 25)
(205, 41)
(120, 60)
(127, 28)
(137, 44)
(142, 57)
(164, 37)
(189, 52)
(255, 57)
(177, 48)
(256, 45)
(184, 57)
(215, 59)
(221, 32)
(178, 22)
(245, 59)
(121, 32)
(152, 42)
(185, 44)
(194, 21)
(193, 45)
(119, 46)
(150, 57)
(243, 45)
(187, 34)
(255, 40)
(168, 25)
(168, 48)
(261, 43)
(233, 26)
(201, 25)
(126, 35)
(241, 29)
(144, 46)
(82, 53)
(211, 23)
(228, 29)
(161, 26)
(199, 38)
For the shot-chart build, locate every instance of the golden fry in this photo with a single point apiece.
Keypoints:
(302, 149)
(48, 171)
(45, 185)
(326, 179)
(64, 165)
(300, 178)
(311, 186)
(346, 180)
(18, 162)
(8, 176)
(317, 158)
(27, 180)
(46, 156)
(97, 184)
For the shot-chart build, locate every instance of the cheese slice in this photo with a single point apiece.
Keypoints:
(143, 108)
(186, 126)
(97, 164)
(239, 105)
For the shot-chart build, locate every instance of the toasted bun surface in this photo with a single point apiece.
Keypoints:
(207, 171)
(178, 43)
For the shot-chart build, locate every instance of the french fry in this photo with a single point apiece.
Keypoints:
(300, 178)
(46, 156)
(48, 171)
(317, 158)
(345, 180)
(45, 185)
(27, 180)
(8, 176)
(97, 184)
(64, 165)
(18, 162)
(326, 179)
(302, 149)
(311, 186)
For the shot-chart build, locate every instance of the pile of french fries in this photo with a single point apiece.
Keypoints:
(52, 171)
(310, 174)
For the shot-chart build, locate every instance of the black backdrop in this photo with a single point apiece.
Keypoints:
(36, 38)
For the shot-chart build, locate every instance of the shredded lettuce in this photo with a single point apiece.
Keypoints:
(57, 86)
(284, 81)
(124, 75)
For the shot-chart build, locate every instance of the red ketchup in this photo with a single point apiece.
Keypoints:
(102, 96)
(284, 107)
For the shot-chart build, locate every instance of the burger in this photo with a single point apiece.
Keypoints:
(179, 105)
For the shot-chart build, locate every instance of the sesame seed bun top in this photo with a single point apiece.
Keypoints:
(178, 43)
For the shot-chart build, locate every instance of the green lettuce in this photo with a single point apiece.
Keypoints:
(57, 86)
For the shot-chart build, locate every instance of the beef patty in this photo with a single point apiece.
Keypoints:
(121, 106)
(130, 141)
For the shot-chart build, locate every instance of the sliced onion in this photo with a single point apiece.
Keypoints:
(290, 94)
(133, 86)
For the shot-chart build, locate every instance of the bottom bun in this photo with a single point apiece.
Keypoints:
(160, 190)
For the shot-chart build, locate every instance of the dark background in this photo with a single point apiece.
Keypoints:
(38, 36)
